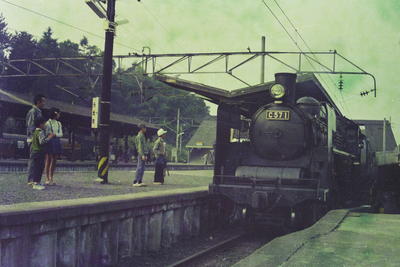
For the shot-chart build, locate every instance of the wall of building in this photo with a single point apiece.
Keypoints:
(101, 231)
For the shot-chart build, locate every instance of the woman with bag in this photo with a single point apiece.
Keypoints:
(53, 149)
(159, 150)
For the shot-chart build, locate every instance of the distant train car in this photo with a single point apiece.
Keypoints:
(14, 146)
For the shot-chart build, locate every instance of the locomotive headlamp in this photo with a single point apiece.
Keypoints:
(277, 91)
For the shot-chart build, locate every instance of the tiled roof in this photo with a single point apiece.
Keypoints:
(205, 135)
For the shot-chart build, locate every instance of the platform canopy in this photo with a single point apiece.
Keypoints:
(252, 97)
(17, 105)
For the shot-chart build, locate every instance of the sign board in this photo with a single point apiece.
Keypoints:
(95, 112)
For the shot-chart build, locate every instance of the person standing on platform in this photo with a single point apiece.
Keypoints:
(160, 163)
(141, 147)
(37, 154)
(53, 148)
(34, 113)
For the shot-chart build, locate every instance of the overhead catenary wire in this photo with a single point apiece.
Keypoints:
(64, 23)
(309, 49)
(158, 22)
(294, 41)
(307, 46)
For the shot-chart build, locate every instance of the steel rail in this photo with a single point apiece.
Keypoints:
(189, 260)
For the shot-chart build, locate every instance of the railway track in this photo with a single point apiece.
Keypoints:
(228, 251)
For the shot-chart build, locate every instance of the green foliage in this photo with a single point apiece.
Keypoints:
(48, 46)
(5, 37)
(23, 46)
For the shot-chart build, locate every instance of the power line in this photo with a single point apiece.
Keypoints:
(277, 19)
(309, 49)
(63, 23)
(295, 42)
(157, 21)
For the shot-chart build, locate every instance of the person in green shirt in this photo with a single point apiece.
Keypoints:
(37, 153)
(141, 146)
(35, 112)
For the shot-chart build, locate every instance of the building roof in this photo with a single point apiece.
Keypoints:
(77, 110)
(205, 135)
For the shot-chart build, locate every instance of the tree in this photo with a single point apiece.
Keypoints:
(23, 46)
(89, 50)
(69, 49)
(5, 37)
(47, 45)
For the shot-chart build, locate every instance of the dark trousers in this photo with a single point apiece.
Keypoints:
(159, 166)
(30, 178)
(139, 170)
(36, 166)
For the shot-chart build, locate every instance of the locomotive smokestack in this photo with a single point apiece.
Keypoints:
(288, 80)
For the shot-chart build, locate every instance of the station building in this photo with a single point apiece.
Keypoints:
(201, 145)
(79, 139)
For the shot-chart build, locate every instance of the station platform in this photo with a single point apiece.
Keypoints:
(73, 185)
(20, 165)
(340, 238)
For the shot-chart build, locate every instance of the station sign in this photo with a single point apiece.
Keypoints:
(95, 112)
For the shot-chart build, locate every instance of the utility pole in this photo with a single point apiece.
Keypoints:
(180, 139)
(177, 133)
(262, 59)
(105, 100)
(384, 135)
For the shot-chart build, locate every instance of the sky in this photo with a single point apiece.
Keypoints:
(364, 31)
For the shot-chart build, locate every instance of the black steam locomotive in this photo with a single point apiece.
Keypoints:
(286, 154)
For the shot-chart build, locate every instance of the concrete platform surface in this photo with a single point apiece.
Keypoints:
(340, 238)
(74, 185)
(23, 213)
(20, 165)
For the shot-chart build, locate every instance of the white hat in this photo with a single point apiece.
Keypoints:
(161, 132)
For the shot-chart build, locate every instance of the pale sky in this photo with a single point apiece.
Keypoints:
(365, 31)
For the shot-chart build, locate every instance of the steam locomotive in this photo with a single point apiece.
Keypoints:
(286, 154)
